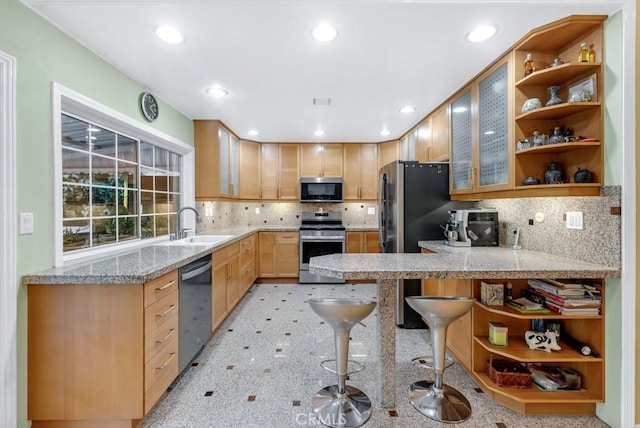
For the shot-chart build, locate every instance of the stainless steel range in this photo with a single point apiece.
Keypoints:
(321, 233)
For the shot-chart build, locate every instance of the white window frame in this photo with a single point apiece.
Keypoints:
(8, 244)
(69, 101)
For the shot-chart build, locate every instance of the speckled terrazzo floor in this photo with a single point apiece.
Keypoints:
(261, 369)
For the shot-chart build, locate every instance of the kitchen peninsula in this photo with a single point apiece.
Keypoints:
(461, 271)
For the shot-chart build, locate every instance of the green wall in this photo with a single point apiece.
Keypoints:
(44, 54)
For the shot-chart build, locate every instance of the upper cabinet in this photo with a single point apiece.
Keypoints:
(360, 171)
(251, 177)
(217, 150)
(280, 171)
(388, 152)
(321, 160)
(432, 137)
(539, 105)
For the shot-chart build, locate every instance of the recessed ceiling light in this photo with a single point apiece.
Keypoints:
(217, 91)
(385, 132)
(169, 34)
(482, 33)
(253, 132)
(318, 132)
(407, 109)
(324, 32)
(459, 109)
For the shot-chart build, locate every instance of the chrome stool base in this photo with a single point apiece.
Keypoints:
(445, 405)
(348, 410)
(426, 361)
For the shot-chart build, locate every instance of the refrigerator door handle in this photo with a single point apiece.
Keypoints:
(382, 197)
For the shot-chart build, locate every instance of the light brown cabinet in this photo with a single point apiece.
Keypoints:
(280, 171)
(360, 171)
(432, 143)
(388, 152)
(279, 254)
(216, 162)
(248, 262)
(100, 353)
(321, 160)
(251, 177)
(362, 242)
(225, 281)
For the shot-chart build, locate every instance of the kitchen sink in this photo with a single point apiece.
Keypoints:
(199, 240)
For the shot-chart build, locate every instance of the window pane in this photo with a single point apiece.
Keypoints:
(75, 200)
(162, 200)
(75, 133)
(127, 175)
(146, 154)
(162, 225)
(146, 200)
(174, 183)
(161, 182)
(75, 166)
(173, 202)
(146, 227)
(162, 159)
(172, 223)
(104, 231)
(104, 171)
(75, 234)
(127, 202)
(127, 148)
(146, 179)
(127, 228)
(174, 162)
(104, 201)
(103, 141)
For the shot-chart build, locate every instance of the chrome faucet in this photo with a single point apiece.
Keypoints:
(180, 233)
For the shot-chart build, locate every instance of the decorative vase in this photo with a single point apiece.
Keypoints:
(557, 136)
(553, 175)
(583, 175)
(531, 104)
(553, 92)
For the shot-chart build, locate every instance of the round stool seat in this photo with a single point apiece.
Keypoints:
(342, 405)
(436, 400)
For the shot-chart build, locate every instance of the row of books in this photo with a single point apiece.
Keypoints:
(565, 298)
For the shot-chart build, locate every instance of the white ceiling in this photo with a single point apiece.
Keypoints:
(388, 54)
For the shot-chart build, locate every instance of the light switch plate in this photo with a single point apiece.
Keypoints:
(257, 210)
(575, 220)
(26, 223)
(371, 211)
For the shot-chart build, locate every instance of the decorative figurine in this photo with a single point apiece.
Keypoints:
(583, 175)
(556, 61)
(523, 144)
(539, 140)
(553, 175)
(583, 55)
(557, 136)
(530, 181)
(529, 66)
(553, 93)
(568, 136)
(531, 104)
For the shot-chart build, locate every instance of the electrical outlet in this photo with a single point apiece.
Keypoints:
(26, 223)
(257, 210)
(575, 220)
(371, 211)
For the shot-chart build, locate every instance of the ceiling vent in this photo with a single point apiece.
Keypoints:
(321, 101)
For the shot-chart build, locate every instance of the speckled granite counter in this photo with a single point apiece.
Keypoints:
(445, 262)
(138, 264)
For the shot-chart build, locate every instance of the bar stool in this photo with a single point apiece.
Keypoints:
(341, 405)
(436, 400)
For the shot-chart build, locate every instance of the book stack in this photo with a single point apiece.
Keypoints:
(526, 306)
(565, 297)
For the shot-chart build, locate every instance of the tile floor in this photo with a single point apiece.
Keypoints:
(261, 369)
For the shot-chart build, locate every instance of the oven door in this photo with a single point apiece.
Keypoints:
(313, 246)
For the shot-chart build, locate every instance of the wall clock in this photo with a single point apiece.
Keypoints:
(149, 106)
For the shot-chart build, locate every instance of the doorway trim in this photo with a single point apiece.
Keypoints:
(8, 240)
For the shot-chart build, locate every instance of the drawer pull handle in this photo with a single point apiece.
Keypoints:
(166, 312)
(164, 287)
(171, 356)
(161, 341)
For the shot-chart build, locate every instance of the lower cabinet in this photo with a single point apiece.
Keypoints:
(224, 282)
(468, 343)
(279, 254)
(100, 355)
(362, 242)
(248, 262)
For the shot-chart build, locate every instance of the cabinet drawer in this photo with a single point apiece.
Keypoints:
(159, 372)
(247, 247)
(158, 288)
(287, 237)
(226, 252)
(159, 339)
(247, 275)
(160, 312)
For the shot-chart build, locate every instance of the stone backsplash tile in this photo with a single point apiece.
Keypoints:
(599, 241)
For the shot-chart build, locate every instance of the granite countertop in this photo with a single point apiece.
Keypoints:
(456, 262)
(141, 263)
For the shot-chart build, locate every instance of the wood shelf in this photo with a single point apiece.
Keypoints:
(565, 186)
(505, 310)
(556, 148)
(559, 73)
(518, 350)
(558, 111)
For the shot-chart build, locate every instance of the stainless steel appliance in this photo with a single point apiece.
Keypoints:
(321, 189)
(413, 202)
(195, 309)
(475, 227)
(321, 233)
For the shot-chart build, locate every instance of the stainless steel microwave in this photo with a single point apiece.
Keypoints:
(321, 189)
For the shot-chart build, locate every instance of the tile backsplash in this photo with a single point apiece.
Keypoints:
(599, 241)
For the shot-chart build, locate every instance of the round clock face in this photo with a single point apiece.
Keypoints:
(149, 106)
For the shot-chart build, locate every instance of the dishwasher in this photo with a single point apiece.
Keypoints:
(194, 309)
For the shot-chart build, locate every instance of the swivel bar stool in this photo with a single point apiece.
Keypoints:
(436, 400)
(341, 405)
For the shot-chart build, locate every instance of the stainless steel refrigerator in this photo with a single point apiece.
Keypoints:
(413, 202)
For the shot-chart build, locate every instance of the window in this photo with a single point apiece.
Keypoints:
(115, 188)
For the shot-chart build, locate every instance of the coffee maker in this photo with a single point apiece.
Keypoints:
(456, 229)
(477, 227)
